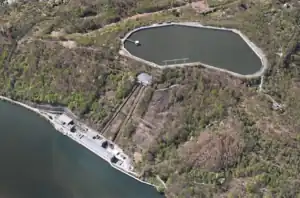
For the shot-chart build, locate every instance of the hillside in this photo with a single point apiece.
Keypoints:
(204, 132)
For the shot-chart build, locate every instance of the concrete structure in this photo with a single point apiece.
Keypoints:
(92, 140)
(145, 79)
(137, 42)
(172, 63)
(65, 120)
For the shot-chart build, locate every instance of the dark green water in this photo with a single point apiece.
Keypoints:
(219, 48)
(39, 162)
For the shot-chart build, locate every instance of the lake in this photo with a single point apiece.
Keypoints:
(215, 47)
(39, 162)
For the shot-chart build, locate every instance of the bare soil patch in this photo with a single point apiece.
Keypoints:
(155, 116)
(69, 44)
(200, 6)
(213, 150)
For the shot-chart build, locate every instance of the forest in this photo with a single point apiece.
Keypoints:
(215, 135)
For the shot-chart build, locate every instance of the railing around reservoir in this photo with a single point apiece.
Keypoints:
(175, 61)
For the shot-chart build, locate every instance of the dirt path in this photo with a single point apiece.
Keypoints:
(197, 5)
(67, 44)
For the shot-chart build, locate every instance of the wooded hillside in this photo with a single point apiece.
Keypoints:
(211, 135)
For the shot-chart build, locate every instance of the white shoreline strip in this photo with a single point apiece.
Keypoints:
(75, 139)
(124, 52)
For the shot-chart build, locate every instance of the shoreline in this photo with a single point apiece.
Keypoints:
(261, 55)
(44, 114)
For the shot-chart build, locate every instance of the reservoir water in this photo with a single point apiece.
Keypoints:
(39, 162)
(219, 48)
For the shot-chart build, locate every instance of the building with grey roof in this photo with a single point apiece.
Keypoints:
(145, 79)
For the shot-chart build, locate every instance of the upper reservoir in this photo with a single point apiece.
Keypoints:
(39, 162)
(224, 49)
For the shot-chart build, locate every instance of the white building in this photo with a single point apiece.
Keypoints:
(145, 79)
(65, 120)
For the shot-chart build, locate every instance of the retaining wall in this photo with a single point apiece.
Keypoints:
(53, 109)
